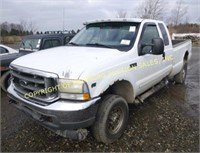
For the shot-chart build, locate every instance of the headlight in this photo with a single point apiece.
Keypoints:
(73, 89)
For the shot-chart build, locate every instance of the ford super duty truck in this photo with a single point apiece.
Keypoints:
(89, 83)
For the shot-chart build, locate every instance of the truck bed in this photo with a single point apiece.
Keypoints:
(177, 42)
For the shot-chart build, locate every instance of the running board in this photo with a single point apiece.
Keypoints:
(142, 97)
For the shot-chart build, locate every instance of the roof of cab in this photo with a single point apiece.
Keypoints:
(115, 20)
(39, 36)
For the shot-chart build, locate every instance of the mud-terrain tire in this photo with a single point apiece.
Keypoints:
(180, 77)
(5, 81)
(111, 119)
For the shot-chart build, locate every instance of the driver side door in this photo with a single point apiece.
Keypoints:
(149, 66)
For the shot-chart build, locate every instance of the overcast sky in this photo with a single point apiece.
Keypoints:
(48, 14)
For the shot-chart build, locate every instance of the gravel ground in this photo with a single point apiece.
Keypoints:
(167, 121)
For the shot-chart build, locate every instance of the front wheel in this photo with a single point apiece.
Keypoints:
(5, 81)
(111, 119)
(180, 77)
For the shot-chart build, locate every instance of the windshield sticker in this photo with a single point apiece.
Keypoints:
(39, 41)
(37, 46)
(125, 42)
(132, 29)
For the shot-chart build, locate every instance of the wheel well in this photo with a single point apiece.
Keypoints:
(122, 88)
(186, 56)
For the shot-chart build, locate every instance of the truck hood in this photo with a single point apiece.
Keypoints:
(67, 61)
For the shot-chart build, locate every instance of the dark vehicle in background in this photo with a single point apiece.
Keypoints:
(30, 44)
(7, 55)
(50, 39)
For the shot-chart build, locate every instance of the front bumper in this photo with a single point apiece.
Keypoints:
(59, 116)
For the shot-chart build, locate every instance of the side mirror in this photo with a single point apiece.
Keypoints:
(157, 46)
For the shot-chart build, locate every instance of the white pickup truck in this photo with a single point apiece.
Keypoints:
(90, 82)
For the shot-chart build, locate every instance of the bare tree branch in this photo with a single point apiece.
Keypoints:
(198, 20)
(32, 27)
(28, 26)
(121, 14)
(23, 23)
(178, 13)
(151, 9)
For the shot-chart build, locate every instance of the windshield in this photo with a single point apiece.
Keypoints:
(31, 43)
(119, 35)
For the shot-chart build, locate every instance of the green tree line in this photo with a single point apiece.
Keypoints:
(10, 29)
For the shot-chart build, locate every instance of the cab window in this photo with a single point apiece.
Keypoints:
(149, 32)
(55, 42)
(49, 43)
(164, 34)
(3, 50)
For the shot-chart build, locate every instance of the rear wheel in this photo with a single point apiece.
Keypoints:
(180, 77)
(111, 119)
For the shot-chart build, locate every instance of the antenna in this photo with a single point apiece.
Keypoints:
(63, 19)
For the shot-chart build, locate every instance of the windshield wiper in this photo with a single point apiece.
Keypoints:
(98, 44)
(72, 43)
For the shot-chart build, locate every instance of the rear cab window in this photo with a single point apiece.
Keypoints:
(53, 42)
(164, 34)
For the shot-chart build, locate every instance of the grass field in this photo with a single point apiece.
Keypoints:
(10, 39)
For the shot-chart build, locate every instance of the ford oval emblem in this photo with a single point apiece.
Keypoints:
(23, 82)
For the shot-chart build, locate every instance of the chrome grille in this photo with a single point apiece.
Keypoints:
(33, 85)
